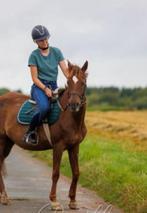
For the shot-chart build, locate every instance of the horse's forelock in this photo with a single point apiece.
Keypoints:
(76, 71)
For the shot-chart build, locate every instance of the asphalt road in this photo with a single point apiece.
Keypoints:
(28, 184)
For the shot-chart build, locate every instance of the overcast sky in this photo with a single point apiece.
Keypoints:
(110, 34)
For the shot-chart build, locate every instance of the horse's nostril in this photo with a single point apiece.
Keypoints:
(74, 106)
(69, 104)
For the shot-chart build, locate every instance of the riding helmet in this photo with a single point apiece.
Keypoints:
(39, 32)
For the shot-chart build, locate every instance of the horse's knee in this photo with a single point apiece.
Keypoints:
(55, 176)
(76, 175)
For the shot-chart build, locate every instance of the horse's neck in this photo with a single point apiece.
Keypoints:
(63, 100)
(78, 117)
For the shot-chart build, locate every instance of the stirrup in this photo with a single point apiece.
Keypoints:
(29, 140)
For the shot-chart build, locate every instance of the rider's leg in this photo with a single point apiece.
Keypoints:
(43, 106)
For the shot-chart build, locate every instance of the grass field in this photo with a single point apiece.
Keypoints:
(120, 124)
(113, 158)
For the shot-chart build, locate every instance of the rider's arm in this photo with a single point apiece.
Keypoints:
(37, 82)
(64, 68)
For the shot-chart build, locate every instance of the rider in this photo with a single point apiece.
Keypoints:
(43, 63)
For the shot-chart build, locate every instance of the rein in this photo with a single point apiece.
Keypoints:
(69, 94)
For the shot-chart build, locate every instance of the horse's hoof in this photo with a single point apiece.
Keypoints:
(4, 199)
(73, 205)
(56, 206)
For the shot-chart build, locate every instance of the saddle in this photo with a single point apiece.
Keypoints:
(28, 108)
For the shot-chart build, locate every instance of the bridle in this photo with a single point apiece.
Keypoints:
(82, 98)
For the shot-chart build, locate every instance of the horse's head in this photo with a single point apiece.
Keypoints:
(76, 86)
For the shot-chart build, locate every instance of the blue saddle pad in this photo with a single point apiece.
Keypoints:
(28, 108)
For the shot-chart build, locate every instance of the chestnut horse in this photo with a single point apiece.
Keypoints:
(66, 134)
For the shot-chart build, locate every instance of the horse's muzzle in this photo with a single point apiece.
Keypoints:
(74, 107)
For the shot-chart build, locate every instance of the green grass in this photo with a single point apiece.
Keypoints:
(111, 168)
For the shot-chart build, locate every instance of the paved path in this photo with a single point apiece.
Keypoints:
(28, 184)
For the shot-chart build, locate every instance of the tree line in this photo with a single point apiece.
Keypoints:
(112, 98)
(106, 98)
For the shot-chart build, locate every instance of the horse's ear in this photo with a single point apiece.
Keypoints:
(85, 66)
(69, 65)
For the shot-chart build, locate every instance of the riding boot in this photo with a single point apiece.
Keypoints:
(31, 137)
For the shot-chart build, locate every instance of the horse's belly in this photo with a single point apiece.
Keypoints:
(39, 147)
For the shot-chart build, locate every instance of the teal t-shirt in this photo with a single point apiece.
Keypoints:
(47, 65)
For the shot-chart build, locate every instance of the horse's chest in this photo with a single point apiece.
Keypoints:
(75, 137)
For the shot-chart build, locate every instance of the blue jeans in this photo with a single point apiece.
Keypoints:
(43, 103)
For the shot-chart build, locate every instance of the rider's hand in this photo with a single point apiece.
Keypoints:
(48, 92)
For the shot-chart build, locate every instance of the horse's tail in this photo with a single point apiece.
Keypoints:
(4, 169)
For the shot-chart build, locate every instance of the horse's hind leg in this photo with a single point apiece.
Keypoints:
(5, 148)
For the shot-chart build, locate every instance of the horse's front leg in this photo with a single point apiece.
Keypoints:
(57, 156)
(73, 158)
